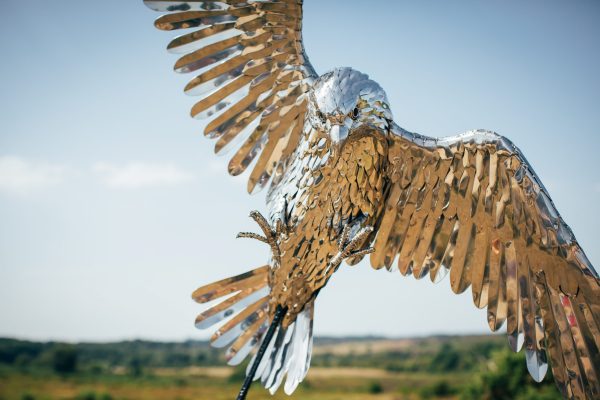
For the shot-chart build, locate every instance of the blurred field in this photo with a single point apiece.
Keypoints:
(469, 367)
(333, 384)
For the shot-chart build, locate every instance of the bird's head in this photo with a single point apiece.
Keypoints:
(344, 101)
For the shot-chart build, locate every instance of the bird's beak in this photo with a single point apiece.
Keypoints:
(379, 126)
(339, 133)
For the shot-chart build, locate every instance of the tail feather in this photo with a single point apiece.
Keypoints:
(232, 305)
(279, 366)
(246, 341)
(290, 354)
(256, 278)
(245, 310)
(302, 342)
(310, 341)
(266, 360)
(247, 304)
(240, 323)
(272, 356)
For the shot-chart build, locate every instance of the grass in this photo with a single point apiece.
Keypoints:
(324, 384)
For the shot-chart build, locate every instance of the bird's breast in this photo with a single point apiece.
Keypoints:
(330, 185)
(325, 189)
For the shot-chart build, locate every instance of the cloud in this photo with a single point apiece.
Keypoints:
(21, 176)
(137, 175)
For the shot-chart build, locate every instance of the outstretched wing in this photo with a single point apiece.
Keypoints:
(252, 75)
(472, 205)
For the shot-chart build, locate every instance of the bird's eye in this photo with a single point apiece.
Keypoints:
(321, 116)
(354, 113)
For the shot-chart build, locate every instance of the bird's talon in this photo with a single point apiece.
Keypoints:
(363, 252)
(347, 248)
(252, 235)
(271, 236)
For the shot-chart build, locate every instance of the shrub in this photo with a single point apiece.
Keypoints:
(87, 395)
(64, 360)
(375, 387)
(438, 389)
(509, 380)
(91, 395)
(135, 367)
(447, 359)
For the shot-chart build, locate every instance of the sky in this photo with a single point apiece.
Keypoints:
(113, 208)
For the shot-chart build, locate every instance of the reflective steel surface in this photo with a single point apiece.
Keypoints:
(344, 181)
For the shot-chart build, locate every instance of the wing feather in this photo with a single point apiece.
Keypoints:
(441, 247)
(252, 76)
(472, 206)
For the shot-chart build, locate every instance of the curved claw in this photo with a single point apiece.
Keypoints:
(263, 223)
(347, 248)
(252, 235)
(362, 252)
(271, 235)
(344, 236)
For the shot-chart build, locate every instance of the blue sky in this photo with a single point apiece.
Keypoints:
(113, 207)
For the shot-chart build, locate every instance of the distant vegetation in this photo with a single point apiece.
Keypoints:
(134, 355)
(467, 368)
(434, 355)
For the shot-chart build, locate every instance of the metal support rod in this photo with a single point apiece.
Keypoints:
(279, 313)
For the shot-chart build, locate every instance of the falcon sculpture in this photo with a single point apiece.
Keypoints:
(344, 180)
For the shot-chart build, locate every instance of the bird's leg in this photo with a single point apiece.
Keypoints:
(347, 247)
(271, 235)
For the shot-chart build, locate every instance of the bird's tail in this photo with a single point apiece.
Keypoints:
(244, 306)
(288, 353)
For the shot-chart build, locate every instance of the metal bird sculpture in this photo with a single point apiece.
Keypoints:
(344, 180)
